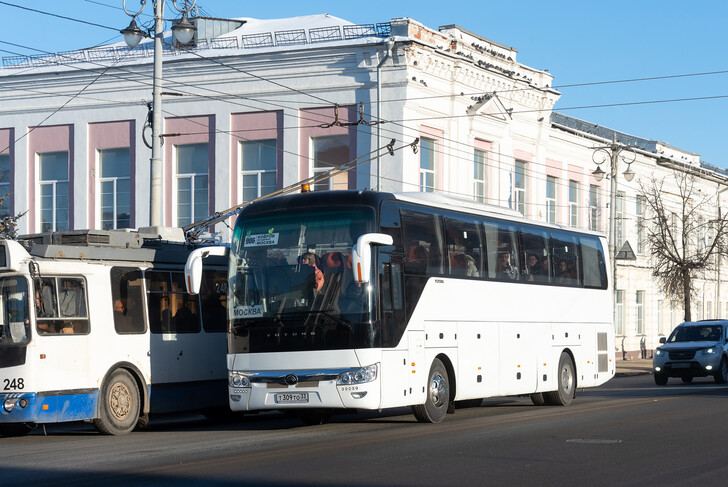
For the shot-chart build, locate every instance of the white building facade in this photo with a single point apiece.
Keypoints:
(257, 105)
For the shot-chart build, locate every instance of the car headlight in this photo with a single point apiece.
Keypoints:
(239, 380)
(361, 375)
(710, 351)
(658, 352)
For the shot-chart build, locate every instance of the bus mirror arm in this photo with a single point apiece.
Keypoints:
(193, 266)
(361, 254)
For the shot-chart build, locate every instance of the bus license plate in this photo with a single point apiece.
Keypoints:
(292, 398)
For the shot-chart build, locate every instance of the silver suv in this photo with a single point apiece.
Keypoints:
(693, 349)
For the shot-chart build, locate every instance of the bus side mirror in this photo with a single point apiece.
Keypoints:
(361, 254)
(193, 266)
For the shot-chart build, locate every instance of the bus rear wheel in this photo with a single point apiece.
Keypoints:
(16, 429)
(566, 378)
(118, 404)
(438, 396)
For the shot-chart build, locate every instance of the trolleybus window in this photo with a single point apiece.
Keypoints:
(171, 309)
(61, 306)
(127, 299)
(213, 292)
(14, 322)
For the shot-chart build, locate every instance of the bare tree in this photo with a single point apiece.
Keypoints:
(8, 224)
(683, 230)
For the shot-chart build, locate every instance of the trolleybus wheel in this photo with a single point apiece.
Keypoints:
(16, 429)
(438, 396)
(566, 378)
(660, 379)
(118, 404)
(721, 375)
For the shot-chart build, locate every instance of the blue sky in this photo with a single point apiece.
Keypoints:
(577, 41)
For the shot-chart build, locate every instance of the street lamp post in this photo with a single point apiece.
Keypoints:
(614, 153)
(183, 32)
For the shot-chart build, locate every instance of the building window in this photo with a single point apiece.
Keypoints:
(192, 183)
(258, 163)
(595, 210)
(550, 199)
(480, 163)
(330, 152)
(5, 196)
(619, 313)
(640, 308)
(520, 188)
(427, 164)
(619, 220)
(660, 318)
(640, 210)
(573, 206)
(53, 171)
(114, 185)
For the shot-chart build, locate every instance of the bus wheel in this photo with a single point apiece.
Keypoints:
(16, 429)
(438, 396)
(142, 423)
(537, 399)
(118, 404)
(566, 377)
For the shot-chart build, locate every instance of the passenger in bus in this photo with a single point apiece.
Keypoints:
(506, 270)
(309, 259)
(122, 322)
(462, 264)
(417, 260)
(563, 276)
(536, 272)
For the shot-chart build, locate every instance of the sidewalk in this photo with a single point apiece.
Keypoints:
(633, 367)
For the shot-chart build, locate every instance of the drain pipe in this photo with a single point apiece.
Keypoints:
(389, 45)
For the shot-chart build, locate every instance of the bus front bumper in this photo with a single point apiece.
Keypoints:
(306, 389)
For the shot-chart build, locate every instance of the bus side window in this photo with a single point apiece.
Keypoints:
(184, 307)
(535, 248)
(127, 300)
(567, 267)
(213, 294)
(595, 271)
(464, 248)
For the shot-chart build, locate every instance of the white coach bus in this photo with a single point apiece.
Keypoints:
(371, 300)
(97, 325)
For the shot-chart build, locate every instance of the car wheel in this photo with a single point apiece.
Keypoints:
(721, 375)
(660, 379)
(687, 379)
(566, 378)
(437, 401)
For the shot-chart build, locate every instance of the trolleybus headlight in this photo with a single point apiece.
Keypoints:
(10, 403)
(239, 380)
(358, 376)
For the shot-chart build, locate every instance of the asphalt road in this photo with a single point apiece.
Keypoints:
(627, 432)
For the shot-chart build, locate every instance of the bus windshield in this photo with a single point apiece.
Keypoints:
(291, 284)
(14, 316)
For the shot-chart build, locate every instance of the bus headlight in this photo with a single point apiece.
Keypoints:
(358, 376)
(239, 380)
